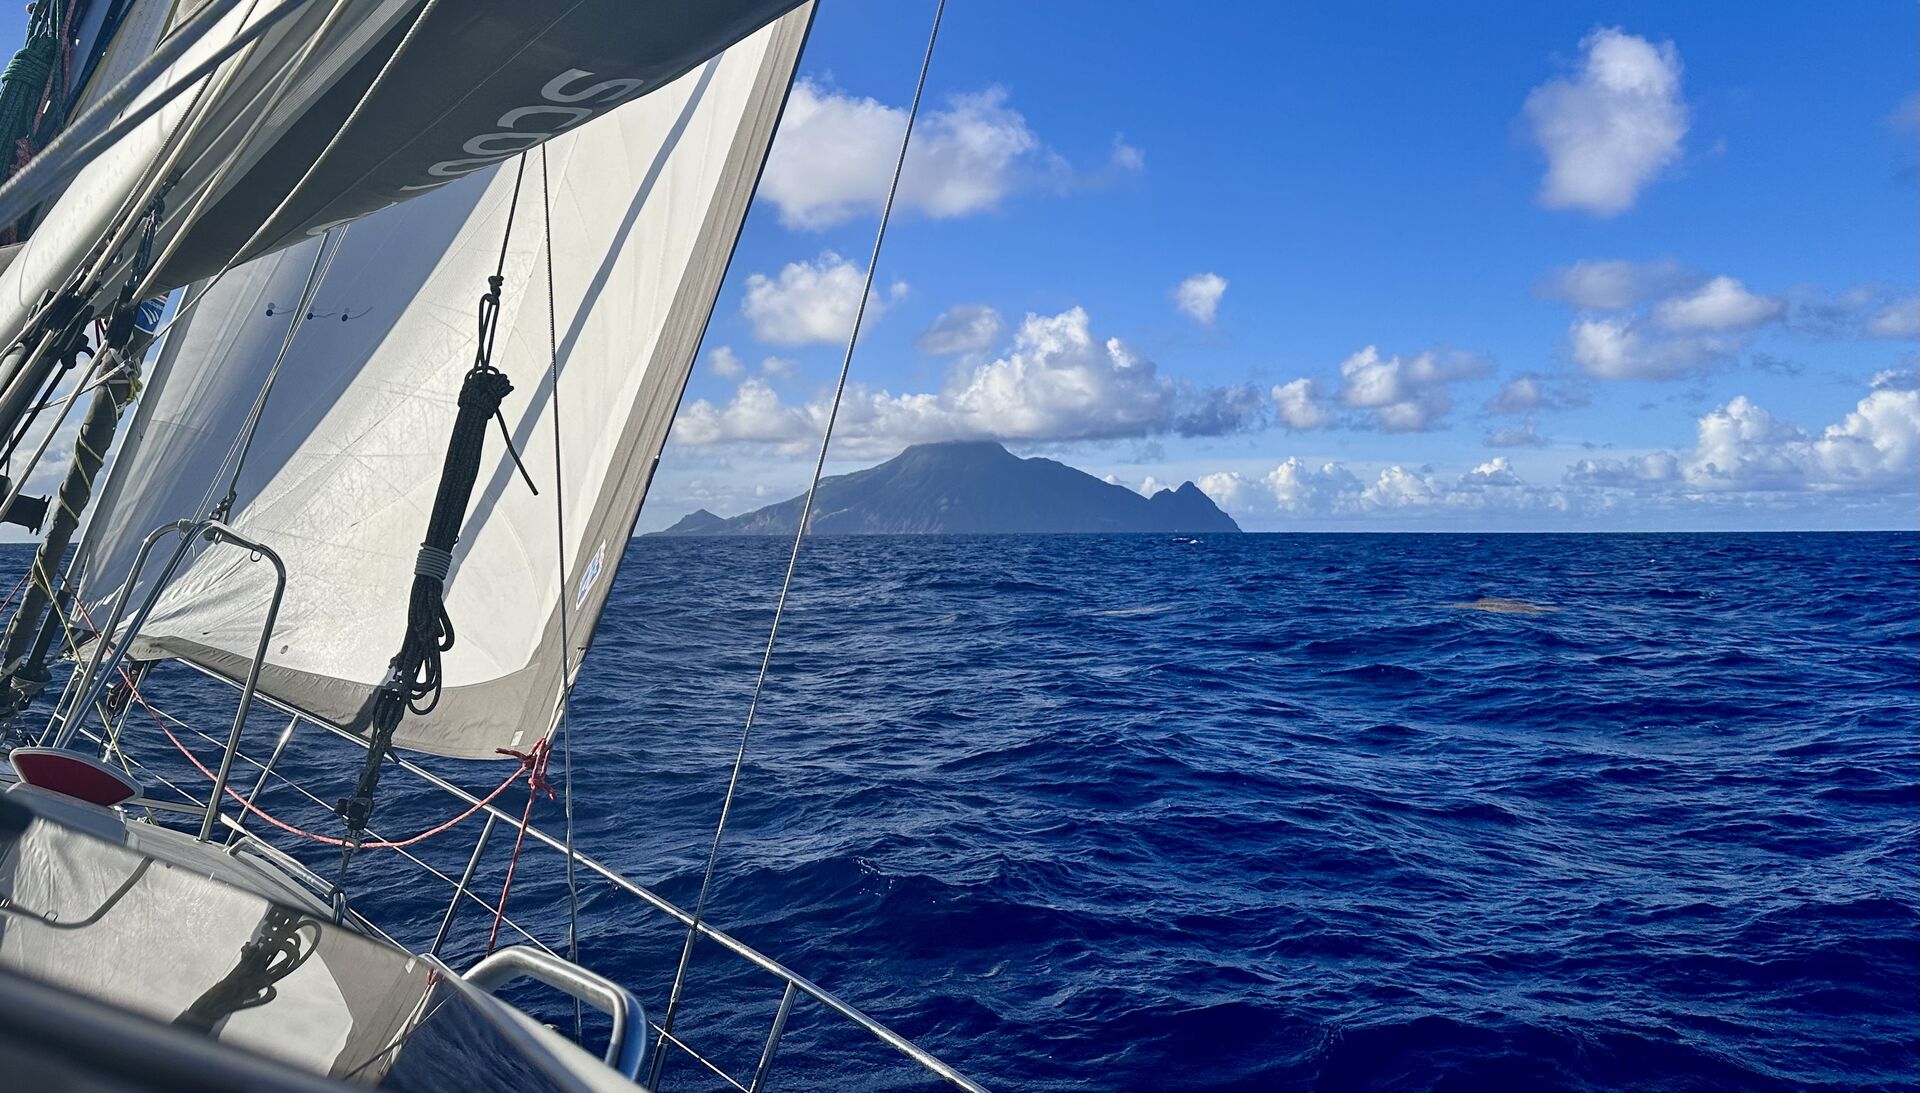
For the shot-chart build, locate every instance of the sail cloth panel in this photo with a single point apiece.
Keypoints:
(399, 98)
(73, 224)
(474, 82)
(646, 204)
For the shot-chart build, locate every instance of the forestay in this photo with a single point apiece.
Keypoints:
(646, 203)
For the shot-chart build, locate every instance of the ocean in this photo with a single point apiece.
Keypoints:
(1257, 812)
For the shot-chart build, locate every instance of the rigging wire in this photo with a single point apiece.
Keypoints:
(793, 557)
(243, 440)
(564, 724)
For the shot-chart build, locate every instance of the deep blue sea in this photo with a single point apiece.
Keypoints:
(1261, 812)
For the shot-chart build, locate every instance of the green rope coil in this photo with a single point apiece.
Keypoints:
(21, 87)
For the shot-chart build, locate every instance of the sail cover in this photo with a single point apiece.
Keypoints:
(645, 203)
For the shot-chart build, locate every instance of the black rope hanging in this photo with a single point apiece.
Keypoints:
(413, 675)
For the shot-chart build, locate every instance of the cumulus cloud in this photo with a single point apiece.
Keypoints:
(810, 302)
(1657, 321)
(1719, 305)
(1623, 349)
(726, 363)
(1614, 284)
(1226, 488)
(835, 154)
(1058, 381)
(962, 330)
(778, 367)
(1299, 407)
(754, 414)
(1638, 472)
(1199, 296)
(1300, 487)
(1519, 395)
(1610, 128)
(1405, 396)
(1741, 447)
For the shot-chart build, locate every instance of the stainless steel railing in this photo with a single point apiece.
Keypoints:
(793, 986)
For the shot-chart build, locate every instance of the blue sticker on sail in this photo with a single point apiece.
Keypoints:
(591, 575)
(148, 317)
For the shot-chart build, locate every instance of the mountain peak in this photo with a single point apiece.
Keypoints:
(972, 487)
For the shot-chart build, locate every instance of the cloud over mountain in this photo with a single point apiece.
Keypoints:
(1058, 380)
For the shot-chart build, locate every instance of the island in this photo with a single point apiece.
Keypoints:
(973, 487)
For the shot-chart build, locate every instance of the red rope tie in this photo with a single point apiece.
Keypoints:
(533, 762)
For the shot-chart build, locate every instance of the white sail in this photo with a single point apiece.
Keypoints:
(646, 203)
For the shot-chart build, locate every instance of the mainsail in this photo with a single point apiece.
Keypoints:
(645, 204)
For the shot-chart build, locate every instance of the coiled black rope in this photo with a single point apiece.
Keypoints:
(414, 678)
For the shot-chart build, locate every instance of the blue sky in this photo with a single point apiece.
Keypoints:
(1539, 266)
(1493, 266)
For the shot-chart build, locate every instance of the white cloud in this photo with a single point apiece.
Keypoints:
(1399, 488)
(777, 367)
(1299, 405)
(1058, 381)
(1299, 487)
(1895, 379)
(754, 414)
(1898, 320)
(1742, 448)
(1151, 485)
(1644, 471)
(1620, 349)
(1061, 381)
(1225, 488)
(1199, 295)
(835, 152)
(726, 363)
(1614, 284)
(964, 329)
(1876, 446)
(1610, 128)
(1495, 472)
(810, 302)
(1721, 304)
(1518, 395)
(1405, 396)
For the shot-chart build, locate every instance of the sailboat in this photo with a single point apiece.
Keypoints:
(427, 279)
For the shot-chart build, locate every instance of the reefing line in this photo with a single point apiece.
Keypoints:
(793, 557)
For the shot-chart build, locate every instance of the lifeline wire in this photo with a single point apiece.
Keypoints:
(793, 558)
